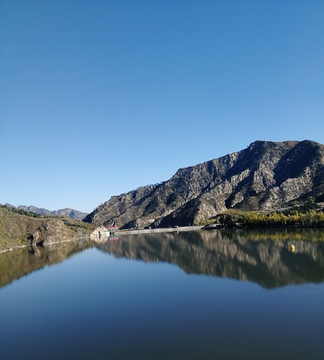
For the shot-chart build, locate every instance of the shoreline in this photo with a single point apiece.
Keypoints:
(158, 230)
(51, 243)
(165, 230)
(14, 248)
(118, 233)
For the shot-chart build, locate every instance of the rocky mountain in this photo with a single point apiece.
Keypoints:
(264, 176)
(73, 214)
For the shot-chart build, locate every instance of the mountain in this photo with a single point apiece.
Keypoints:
(73, 214)
(264, 176)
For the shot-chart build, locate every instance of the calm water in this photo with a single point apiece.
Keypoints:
(198, 295)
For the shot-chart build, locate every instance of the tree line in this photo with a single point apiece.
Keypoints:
(306, 215)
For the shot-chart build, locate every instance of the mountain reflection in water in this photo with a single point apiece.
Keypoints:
(21, 262)
(263, 257)
(260, 256)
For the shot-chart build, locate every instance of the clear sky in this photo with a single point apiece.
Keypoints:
(100, 97)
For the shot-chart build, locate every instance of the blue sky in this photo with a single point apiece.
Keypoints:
(100, 97)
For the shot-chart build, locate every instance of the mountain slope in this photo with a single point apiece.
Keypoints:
(264, 176)
(18, 227)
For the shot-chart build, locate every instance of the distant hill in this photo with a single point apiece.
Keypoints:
(264, 176)
(73, 214)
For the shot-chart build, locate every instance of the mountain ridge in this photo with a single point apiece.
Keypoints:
(264, 176)
(72, 213)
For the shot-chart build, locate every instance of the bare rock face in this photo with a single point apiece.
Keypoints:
(264, 176)
(53, 231)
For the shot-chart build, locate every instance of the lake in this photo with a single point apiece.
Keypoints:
(219, 294)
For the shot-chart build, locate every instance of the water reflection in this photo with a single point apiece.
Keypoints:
(21, 262)
(260, 256)
(103, 307)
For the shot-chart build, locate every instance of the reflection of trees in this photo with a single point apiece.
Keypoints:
(300, 234)
(21, 262)
(259, 256)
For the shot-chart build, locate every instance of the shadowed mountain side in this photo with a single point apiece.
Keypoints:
(21, 262)
(265, 176)
(246, 256)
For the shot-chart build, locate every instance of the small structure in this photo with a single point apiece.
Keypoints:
(112, 229)
(100, 234)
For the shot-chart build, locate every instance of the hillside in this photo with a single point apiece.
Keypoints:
(18, 227)
(265, 176)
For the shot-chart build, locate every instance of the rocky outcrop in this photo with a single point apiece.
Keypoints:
(264, 176)
(17, 229)
(52, 231)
